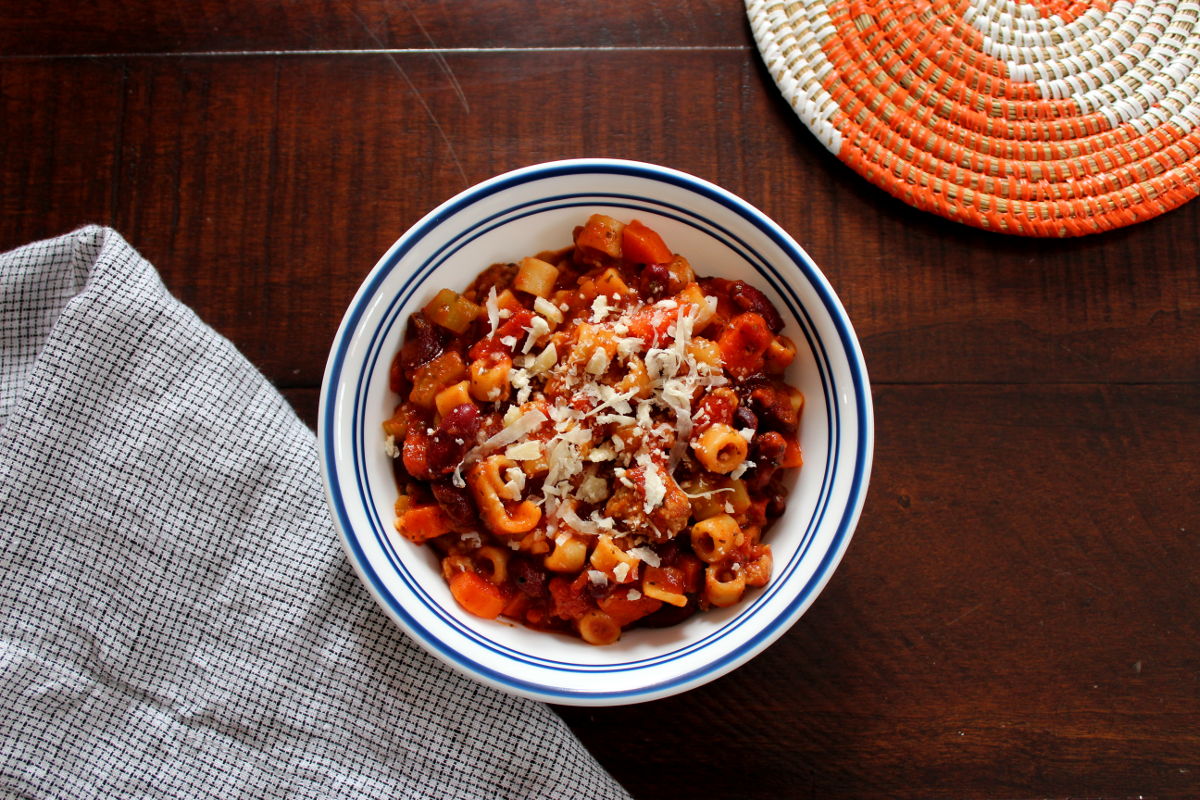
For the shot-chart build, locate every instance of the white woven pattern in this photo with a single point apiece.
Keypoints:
(791, 42)
(1039, 117)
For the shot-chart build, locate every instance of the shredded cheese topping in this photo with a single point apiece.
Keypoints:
(589, 433)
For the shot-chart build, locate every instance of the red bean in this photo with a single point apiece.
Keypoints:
(747, 298)
(453, 438)
(457, 504)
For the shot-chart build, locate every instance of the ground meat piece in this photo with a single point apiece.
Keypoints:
(423, 343)
(628, 503)
(498, 276)
(529, 578)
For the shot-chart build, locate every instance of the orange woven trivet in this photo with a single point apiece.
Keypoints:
(1044, 118)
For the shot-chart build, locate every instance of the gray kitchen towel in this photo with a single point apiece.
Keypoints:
(177, 618)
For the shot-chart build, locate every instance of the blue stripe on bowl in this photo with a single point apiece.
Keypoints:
(861, 460)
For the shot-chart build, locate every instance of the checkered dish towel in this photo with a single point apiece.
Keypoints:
(178, 619)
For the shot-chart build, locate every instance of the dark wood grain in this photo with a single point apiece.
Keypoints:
(1017, 615)
(59, 165)
(291, 176)
(148, 26)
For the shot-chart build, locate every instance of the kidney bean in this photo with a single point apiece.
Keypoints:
(745, 418)
(423, 343)
(747, 298)
(453, 438)
(769, 449)
(462, 421)
(653, 281)
(457, 504)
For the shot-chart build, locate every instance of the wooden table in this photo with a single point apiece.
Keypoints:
(1018, 614)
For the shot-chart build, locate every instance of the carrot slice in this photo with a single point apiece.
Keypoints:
(642, 245)
(477, 594)
(421, 523)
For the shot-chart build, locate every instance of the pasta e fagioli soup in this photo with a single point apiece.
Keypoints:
(597, 437)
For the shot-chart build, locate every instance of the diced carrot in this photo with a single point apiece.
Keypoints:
(623, 610)
(421, 523)
(477, 594)
(642, 245)
(793, 457)
(415, 453)
(397, 424)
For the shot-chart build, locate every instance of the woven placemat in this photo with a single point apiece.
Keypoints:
(1044, 118)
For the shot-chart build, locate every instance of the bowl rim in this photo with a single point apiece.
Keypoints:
(850, 509)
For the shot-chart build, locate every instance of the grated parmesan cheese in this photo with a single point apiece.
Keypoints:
(537, 328)
(547, 309)
(741, 469)
(525, 451)
(593, 489)
(646, 555)
(544, 360)
(493, 311)
(599, 308)
(656, 489)
(520, 427)
(598, 363)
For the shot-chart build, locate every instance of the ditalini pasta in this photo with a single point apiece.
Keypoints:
(595, 438)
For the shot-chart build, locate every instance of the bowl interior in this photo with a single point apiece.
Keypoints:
(534, 210)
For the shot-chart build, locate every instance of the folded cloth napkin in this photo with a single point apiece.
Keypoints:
(178, 619)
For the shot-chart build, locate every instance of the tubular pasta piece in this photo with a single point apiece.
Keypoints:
(723, 587)
(720, 448)
(713, 538)
(596, 627)
(569, 554)
(497, 562)
(536, 277)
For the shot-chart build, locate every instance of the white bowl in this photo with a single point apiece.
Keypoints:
(535, 209)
